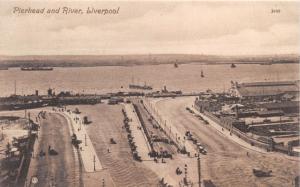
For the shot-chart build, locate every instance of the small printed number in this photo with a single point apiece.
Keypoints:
(275, 11)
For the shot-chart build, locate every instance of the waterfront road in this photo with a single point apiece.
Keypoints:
(58, 169)
(227, 163)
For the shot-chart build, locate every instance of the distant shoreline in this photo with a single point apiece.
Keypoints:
(135, 60)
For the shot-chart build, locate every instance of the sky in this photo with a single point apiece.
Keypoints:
(219, 28)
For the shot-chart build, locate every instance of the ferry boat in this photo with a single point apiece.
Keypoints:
(36, 68)
(142, 87)
(133, 85)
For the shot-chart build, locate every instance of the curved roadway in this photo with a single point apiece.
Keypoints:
(60, 169)
(227, 163)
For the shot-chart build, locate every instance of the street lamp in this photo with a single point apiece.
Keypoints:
(199, 169)
(94, 163)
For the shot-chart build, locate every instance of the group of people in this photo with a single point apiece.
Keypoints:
(178, 171)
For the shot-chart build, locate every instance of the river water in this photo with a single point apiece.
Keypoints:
(104, 79)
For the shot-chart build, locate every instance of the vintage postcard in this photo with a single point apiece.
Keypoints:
(149, 94)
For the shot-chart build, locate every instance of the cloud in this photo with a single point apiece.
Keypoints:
(159, 27)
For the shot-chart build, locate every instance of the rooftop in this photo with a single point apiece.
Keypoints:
(267, 88)
(287, 104)
(277, 83)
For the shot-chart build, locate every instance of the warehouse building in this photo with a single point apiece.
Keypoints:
(266, 90)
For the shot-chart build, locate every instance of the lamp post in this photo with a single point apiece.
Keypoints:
(94, 163)
(199, 169)
(103, 183)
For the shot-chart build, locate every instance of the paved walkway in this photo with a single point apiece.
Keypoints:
(143, 147)
(89, 157)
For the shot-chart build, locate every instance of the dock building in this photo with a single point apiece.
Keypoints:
(265, 114)
(265, 90)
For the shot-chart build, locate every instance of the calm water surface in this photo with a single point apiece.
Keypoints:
(105, 79)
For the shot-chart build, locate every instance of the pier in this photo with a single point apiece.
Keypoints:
(18, 102)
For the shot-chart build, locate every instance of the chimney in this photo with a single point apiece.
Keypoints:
(237, 112)
(49, 92)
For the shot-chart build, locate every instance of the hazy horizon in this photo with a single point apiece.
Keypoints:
(154, 54)
(209, 28)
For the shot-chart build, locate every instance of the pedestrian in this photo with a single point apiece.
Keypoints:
(108, 150)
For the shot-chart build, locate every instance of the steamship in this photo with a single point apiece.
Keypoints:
(36, 68)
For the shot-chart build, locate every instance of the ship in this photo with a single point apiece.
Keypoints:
(233, 65)
(139, 86)
(142, 87)
(36, 68)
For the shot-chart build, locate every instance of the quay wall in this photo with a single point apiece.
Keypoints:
(19, 104)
